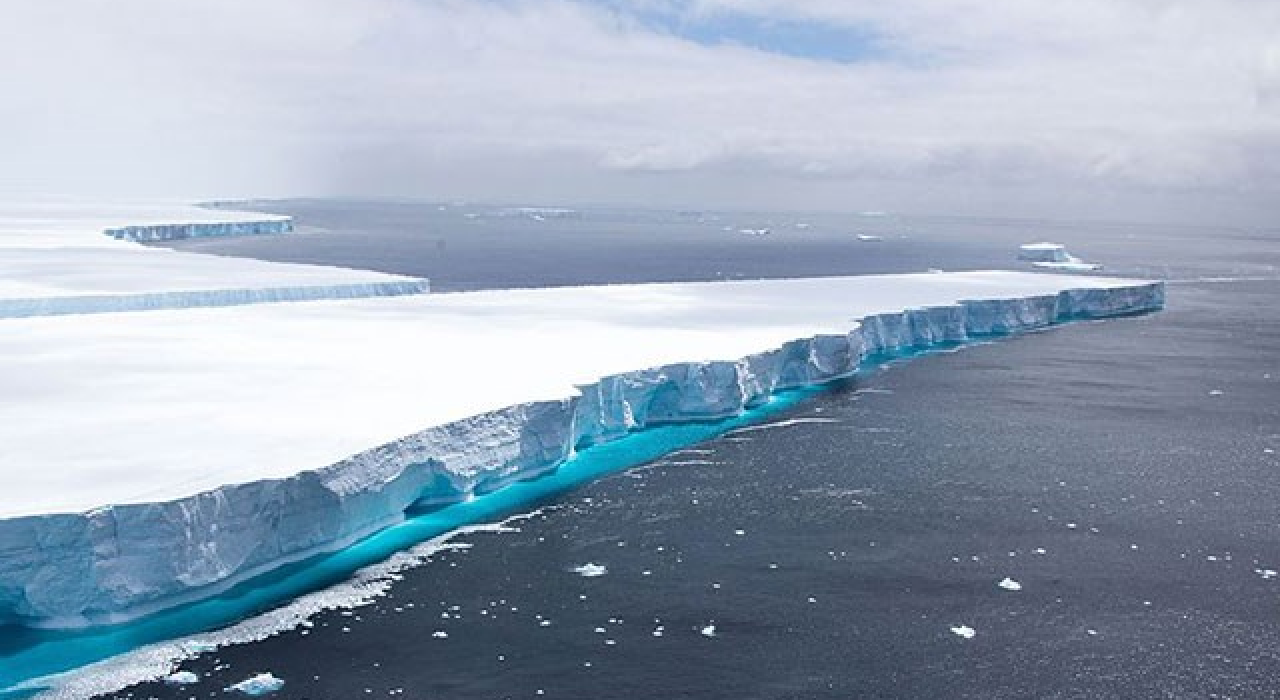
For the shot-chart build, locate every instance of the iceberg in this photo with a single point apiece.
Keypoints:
(1053, 256)
(156, 458)
(182, 451)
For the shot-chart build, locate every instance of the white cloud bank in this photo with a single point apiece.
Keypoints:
(1092, 107)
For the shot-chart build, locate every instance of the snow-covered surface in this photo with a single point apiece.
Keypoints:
(57, 260)
(132, 408)
(150, 458)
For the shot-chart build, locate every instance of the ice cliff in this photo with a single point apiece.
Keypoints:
(121, 561)
(186, 299)
(177, 231)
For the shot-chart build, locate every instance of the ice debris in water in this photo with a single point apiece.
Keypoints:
(181, 678)
(964, 631)
(590, 570)
(1009, 584)
(259, 685)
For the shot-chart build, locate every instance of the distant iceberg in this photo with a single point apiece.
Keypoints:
(1053, 256)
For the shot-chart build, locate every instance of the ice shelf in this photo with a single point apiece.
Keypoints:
(150, 456)
(57, 260)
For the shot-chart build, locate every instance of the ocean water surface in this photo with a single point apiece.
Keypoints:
(1086, 512)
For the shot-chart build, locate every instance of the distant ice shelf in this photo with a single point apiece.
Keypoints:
(154, 458)
(57, 262)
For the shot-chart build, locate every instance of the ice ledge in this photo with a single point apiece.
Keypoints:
(57, 262)
(203, 229)
(110, 303)
(118, 562)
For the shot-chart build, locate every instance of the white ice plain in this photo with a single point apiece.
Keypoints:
(152, 453)
(56, 259)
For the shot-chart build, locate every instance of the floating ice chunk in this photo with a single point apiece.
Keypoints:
(181, 678)
(1009, 584)
(964, 631)
(709, 630)
(590, 570)
(259, 685)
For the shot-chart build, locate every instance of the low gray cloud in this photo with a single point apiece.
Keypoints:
(1149, 101)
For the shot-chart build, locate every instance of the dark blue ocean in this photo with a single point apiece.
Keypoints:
(1124, 474)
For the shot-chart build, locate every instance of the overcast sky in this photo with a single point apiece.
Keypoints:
(1157, 109)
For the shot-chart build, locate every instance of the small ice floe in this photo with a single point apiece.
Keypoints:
(869, 238)
(964, 631)
(1009, 584)
(257, 686)
(590, 570)
(709, 630)
(181, 678)
(1266, 574)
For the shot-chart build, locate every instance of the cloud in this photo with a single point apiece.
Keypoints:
(462, 98)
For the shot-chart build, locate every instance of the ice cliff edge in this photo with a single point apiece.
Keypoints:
(115, 562)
